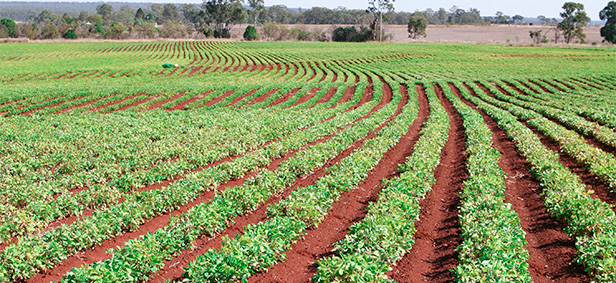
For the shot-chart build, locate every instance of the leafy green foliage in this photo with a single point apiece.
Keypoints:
(10, 26)
(351, 34)
(250, 33)
(417, 26)
(574, 21)
(608, 14)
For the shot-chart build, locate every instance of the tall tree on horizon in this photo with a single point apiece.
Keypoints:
(257, 6)
(608, 14)
(224, 13)
(574, 21)
(377, 8)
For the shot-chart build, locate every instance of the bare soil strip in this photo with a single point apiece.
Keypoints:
(551, 251)
(313, 91)
(82, 105)
(114, 102)
(263, 97)
(438, 231)
(327, 97)
(239, 98)
(161, 103)
(285, 97)
(348, 94)
(48, 106)
(219, 98)
(136, 103)
(182, 105)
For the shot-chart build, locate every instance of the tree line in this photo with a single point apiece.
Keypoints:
(215, 18)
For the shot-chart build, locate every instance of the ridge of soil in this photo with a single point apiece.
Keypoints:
(438, 231)
(327, 97)
(249, 93)
(551, 251)
(300, 264)
(311, 93)
(219, 98)
(113, 102)
(180, 106)
(161, 103)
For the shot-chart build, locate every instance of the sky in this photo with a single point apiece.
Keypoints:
(527, 8)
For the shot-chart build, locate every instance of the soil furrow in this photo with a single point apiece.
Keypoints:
(350, 208)
(551, 251)
(182, 105)
(161, 103)
(434, 254)
(219, 98)
(313, 91)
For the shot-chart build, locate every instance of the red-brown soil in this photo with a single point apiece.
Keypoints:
(114, 102)
(263, 97)
(239, 98)
(161, 103)
(219, 98)
(82, 105)
(182, 105)
(48, 106)
(328, 96)
(551, 251)
(285, 97)
(136, 103)
(313, 91)
(438, 230)
(346, 96)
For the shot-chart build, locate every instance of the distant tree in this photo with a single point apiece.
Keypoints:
(574, 21)
(50, 31)
(155, 14)
(501, 18)
(417, 26)
(257, 7)
(95, 19)
(279, 14)
(351, 34)
(250, 33)
(543, 19)
(518, 19)
(70, 34)
(608, 14)
(172, 29)
(83, 16)
(10, 26)
(272, 31)
(223, 13)
(538, 36)
(125, 15)
(117, 30)
(106, 11)
(140, 14)
(378, 8)
(146, 30)
(30, 30)
(45, 17)
(170, 12)
(192, 14)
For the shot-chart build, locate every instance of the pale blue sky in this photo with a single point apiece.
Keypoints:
(528, 8)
